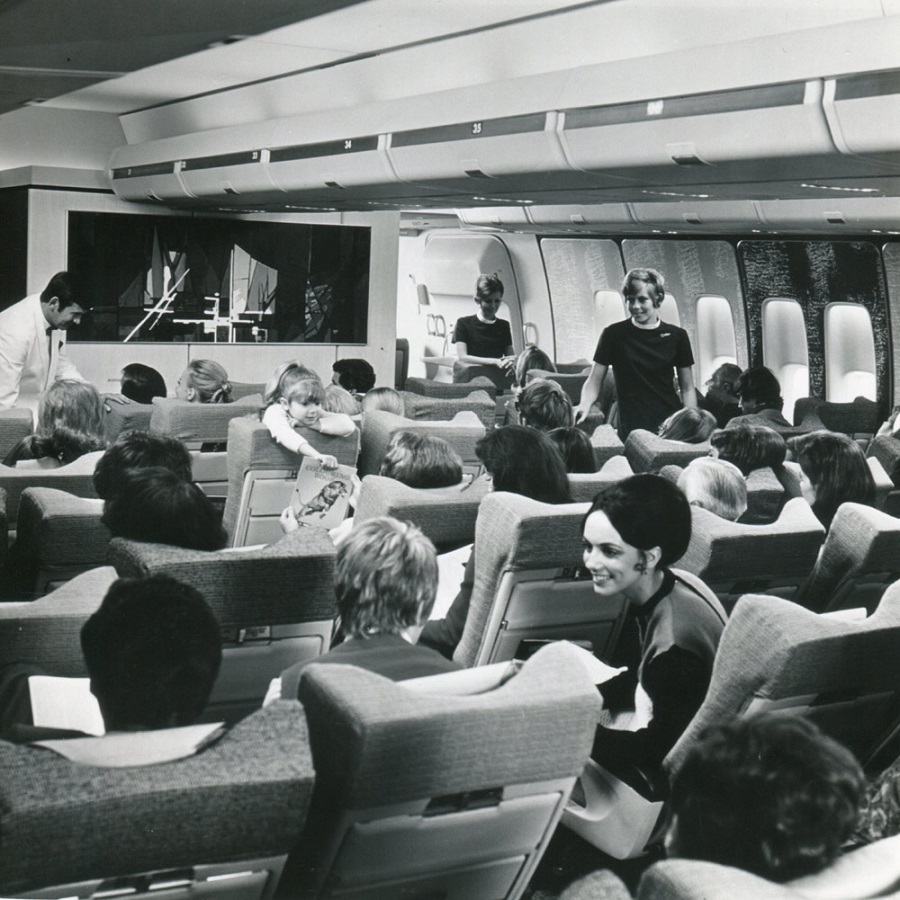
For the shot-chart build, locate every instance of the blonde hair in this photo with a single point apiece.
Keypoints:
(385, 398)
(210, 380)
(340, 400)
(292, 380)
(716, 485)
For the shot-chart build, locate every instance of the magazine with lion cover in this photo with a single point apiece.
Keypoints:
(322, 496)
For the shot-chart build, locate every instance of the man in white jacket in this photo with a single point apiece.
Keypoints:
(33, 345)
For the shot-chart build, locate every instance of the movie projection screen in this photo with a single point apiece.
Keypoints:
(173, 278)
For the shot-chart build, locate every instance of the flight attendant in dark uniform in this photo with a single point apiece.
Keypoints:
(483, 339)
(645, 353)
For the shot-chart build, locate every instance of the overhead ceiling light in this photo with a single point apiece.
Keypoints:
(841, 188)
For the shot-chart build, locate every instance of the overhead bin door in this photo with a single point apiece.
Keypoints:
(228, 175)
(863, 111)
(490, 156)
(152, 181)
(773, 132)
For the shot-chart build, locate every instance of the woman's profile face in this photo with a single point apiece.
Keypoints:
(183, 390)
(615, 566)
(807, 488)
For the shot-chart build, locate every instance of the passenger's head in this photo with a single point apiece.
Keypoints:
(634, 528)
(524, 461)
(716, 485)
(758, 389)
(340, 400)
(139, 450)
(421, 460)
(488, 295)
(61, 303)
(834, 471)
(142, 383)
(204, 381)
(544, 405)
(298, 390)
(72, 405)
(691, 425)
(385, 578)
(532, 357)
(385, 398)
(158, 506)
(636, 279)
(725, 380)
(152, 652)
(749, 447)
(575, 448)
(354, 375)
(770, 794)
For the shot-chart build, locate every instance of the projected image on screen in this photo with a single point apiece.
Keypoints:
(169, 279)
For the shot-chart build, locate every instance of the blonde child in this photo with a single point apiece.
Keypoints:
(294, 396)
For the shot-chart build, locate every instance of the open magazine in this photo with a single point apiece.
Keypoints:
(322, 496)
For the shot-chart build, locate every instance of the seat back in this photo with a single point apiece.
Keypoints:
(570, 382)
(447, 390)
(443, 409)
(123, 415)
(75, 478)
(464, 372)
(252, 449)
(775, 655)
(861, 557)
(648, 452)
(275, 605)
(203, 429)
(886, 449)
(883, 483)
(447, 516)
(58, 536)
(734, 558)
(584, 487)
(606, 445)
(463, 431)
(530, 584)
(867, 872)
(423, 792)
(860, 418)
(15, 424)
(219, 823)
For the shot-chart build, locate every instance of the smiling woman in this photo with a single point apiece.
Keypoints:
(483, 339)
(633, 532)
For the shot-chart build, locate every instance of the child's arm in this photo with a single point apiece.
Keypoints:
(276, 420)
(337, 424)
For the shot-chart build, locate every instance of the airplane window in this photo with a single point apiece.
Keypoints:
(849, 353)
(785, 350)
(716, 342)
(668, 310)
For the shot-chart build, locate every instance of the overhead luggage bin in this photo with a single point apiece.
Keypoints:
(490, 156)
(490, 215)
(241, 174)
(157, 181)
(838, 213)
(767, 133)
(720, 213)
(594, 214)
(863, 112)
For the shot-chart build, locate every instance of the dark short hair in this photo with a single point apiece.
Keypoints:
(760, 385)
(356, 375)
(485, 285)
(543, 404)
(63, 286)
(770, 794)
(648, 511)
(524, 461)
(142, 383)
(576, 450)
(532, 357)
(421, 460)
(836, 467)
(728, 374)
(138, 450)
(152, 651)
(645, 276)
(749, 447)
(157, 506)
(385, 577)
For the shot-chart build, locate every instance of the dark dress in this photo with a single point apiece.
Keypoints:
(668, 644)
(644, 361)
(488, 339)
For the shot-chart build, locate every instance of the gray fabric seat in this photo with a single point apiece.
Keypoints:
(648, 452)
(15, 424)
(423, 789)
(238, 806)
(442, 409)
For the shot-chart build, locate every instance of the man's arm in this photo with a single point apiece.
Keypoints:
(65, 368)
(686, 383)
(13, 352)
(590, 391)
